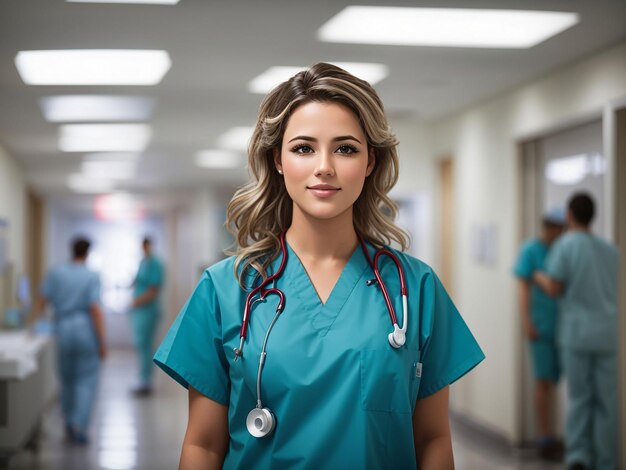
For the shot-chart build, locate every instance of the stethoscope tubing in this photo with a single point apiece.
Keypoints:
(260, 421)
(250, 298)
(403, 289)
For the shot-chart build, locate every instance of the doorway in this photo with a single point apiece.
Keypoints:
(553, 167)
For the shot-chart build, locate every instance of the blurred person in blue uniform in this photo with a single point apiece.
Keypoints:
(539, 317)
(145, 314)
(581, 270)
(73, 291)
(315, 301)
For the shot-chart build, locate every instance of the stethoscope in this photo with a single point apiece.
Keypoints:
(261, 421)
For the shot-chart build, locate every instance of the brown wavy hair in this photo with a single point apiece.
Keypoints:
(261, 210)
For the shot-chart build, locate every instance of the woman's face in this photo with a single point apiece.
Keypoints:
(324, 159)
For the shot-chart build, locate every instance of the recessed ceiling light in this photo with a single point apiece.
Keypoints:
(152, 2)
(113, 170)
(77, 108)
(236, 138)
(111, 157)
(104, 137)
(446, 27)
(92, 67)
(372, 73)
(218, 159)
(81, 184)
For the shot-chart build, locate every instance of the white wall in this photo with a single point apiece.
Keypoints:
(13, 194)
(418, 179)
(197, 228)
(482, 141)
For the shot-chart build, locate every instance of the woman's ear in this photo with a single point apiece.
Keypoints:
(277, 161)
(371, 162)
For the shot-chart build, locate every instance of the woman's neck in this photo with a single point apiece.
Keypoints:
(322, 239)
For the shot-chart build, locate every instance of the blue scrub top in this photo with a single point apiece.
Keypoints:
(543, 308)
(71, 289)
(150, 274)
(342, 396)
(588, 267)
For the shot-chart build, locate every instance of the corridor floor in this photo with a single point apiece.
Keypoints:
(131, 433)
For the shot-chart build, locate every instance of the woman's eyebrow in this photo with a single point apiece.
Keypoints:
(335, 139)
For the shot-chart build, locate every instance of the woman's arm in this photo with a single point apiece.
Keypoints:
(206, 439)
(523, 296)
(148, 296)
(549, 285)
(431, 432)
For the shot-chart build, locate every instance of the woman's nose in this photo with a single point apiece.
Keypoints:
(325, 165)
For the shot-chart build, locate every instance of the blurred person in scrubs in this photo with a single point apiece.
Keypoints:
(73, 291)
(581, 270)
(145, 314)
(318, 349)
(539, 317)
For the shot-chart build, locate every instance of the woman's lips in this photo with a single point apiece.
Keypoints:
(323, 190)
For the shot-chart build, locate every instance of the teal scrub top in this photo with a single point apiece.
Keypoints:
(341, 395)
(150, 274)
(71, 289)
(588, 267)
(543, 308)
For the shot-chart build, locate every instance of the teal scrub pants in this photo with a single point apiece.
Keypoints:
(78, 363)
(144, 322)
(591, 420)
(545, 359)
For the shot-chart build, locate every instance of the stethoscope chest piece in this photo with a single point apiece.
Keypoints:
(260, 422)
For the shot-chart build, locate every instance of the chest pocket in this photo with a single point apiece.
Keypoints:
(390, 379)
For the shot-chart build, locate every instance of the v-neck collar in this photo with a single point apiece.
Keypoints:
(321, 315)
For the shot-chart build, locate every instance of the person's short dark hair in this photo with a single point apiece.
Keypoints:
(146, 241)
(80, 247)
(582, 208)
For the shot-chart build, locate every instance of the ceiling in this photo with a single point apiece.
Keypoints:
(216, 48)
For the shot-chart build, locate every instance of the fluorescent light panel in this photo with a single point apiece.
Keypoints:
(236, 138)
(111, 157)
(445, 27)
(99, 108)
(92, 67)
(114, 170)
(104, 137)
(151, 2)
(79, 183)
(372, 73)
(218, 159)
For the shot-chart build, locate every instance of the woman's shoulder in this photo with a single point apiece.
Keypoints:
(412, 263)
(220, 268)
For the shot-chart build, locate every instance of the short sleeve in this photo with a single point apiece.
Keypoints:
(94, 290)
(191, 352)
(524, 267)
(156, 274)
(449, 349)
(556, 264)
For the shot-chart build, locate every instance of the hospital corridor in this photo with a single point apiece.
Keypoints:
(294, 235)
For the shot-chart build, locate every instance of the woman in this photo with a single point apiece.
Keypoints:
(343, 392)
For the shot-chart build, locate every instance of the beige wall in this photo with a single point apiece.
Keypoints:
(13, 208)
(482, 140)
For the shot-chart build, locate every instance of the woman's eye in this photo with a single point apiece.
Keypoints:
(302, 149)
(347, 149)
